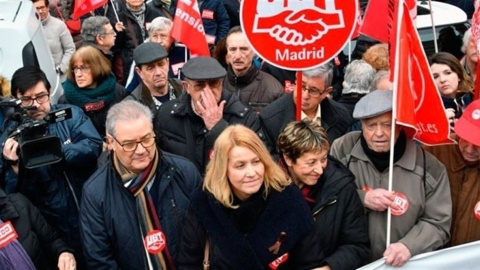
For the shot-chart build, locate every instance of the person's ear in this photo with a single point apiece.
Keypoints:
(185, 86)
(98, 39)
(328, 90)
(288, 161)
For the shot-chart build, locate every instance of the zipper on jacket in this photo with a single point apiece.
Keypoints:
(323, 206)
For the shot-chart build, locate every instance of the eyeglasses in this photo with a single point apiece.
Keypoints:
(110, 33)
(200, 85)
(41, 98)
(82, 69)
(313, 92)
(132, 146)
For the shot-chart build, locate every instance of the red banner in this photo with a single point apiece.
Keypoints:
(419, 105)
(83, 7)
(188, 28)
(476, 38)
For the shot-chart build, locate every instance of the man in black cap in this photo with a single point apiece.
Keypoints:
(152, 66)
(189, 125)
(420, 202)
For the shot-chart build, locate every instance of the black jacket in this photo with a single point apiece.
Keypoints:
(335, 118)
(39, 240)
(108, 215)
(180, 131)
(285, 211)
(340, 221)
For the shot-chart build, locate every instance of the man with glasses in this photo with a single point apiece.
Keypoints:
(54, 189)
(316, 106)
(188, 126)
(254, 87)
(156, 88)
(133, 207)
(420, 202)
(58, 37)
(97, 31)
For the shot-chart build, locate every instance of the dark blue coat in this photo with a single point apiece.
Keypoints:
(108, 216)
(47, 186)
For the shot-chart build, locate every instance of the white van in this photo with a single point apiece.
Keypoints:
(22, 43)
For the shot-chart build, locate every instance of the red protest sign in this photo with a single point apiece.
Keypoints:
(298, 34)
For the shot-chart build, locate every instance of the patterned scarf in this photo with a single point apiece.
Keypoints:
(79, 97)
(139, 16)
(147, 215)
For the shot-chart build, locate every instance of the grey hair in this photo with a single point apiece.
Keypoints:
(358, 77)
(93, 26)
(159, 23)
(466, 39)
(126, 110)
(324, 71)
(379, 76)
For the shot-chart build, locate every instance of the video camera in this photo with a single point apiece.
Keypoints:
(36, 148)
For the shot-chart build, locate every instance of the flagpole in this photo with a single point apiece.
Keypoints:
(114, 10)
(394, 114)
(433, 27)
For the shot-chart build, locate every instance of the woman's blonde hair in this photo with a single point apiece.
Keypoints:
(216, 180)
(5, 87)
(90, 56)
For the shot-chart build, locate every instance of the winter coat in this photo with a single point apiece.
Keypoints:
(425, 226)
(340, 221)
(55, 189)
(180, 131)
(285, 211)
(215, 19)
(109, 219)
(465, 190)
(255, 88)
(143, 95)
(36, 236)
(59, 41)
(98, 115)
(274, 118)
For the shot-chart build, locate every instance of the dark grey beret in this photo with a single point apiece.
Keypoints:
(148, 52)
(203, 68)
(373, 104)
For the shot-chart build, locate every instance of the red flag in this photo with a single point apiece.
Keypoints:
(358, 23)
(83, 7)
(188, 28)
(418, 102)
(376, 19)
(476, 38)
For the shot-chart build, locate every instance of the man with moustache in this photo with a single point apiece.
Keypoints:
(254, 87)
(188, 126)
(316, 106)
(152, 66)
(421, 206)
(133, 206)
(462, 161)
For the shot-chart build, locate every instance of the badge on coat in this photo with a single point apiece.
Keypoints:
(7, 234)
(208, 14)
(476, 210)
(402, 204)
(155, 242)
(278, 261)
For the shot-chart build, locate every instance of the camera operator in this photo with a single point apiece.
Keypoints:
(53, 188)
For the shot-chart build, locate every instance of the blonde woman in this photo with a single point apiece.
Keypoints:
(247, 216)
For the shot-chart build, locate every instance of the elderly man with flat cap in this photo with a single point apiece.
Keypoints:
(420, 199)
(189, 125)
(462, 161)
(151, 61)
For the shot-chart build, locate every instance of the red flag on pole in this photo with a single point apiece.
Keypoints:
(476, 38)
(376, 18)
(418, 104)
(82, 7)
(188, 28)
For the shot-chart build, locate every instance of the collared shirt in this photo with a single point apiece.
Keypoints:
(317, 118)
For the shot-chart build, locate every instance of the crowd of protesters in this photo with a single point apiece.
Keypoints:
(172, 162)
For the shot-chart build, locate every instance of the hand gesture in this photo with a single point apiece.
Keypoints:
(208, 108)
(379, 199)
(119, 26)
(397, 254)
(66, 261)
(10, 148)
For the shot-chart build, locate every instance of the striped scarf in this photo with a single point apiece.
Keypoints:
(147, 215)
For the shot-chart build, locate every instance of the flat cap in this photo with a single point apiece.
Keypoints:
(373, 104)
(203, 68)
(148, 52)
